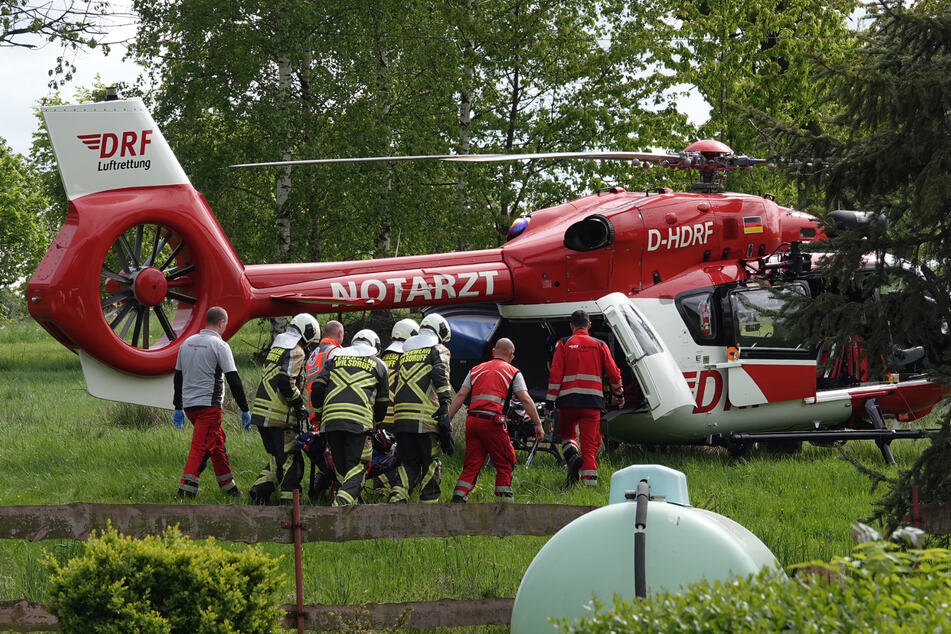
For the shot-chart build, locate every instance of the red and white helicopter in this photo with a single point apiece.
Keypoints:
(678, 283)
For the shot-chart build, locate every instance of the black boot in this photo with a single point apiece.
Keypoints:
(573, 461)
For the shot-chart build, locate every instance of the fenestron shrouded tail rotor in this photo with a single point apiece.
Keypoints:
(140, 257)
(148, 286)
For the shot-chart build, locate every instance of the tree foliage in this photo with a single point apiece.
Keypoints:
(303, 80)
(766, 56)
(24, 232)
(70, 24)
(888, 150)
(75, 22)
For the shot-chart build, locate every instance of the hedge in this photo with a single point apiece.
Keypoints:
(879, 588)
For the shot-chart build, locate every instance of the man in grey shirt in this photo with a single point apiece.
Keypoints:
(199, 393)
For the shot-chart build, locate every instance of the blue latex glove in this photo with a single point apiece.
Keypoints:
(246, 420)
(178, 418)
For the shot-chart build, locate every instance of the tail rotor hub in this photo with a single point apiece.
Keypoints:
(150, 286)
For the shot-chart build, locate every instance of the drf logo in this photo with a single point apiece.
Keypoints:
(108, 144)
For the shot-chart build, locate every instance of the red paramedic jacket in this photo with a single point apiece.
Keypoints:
(315, 363)
(491, 382)
(577, 369)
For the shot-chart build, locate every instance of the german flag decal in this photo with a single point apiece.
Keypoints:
(752, 224)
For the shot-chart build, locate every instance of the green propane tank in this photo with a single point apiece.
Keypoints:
(595, 555)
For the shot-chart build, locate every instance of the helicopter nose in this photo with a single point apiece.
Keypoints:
(797, 226)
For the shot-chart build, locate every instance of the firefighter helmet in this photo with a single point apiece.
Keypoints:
(383, 441)
(307, 325)
(368, 337)
(438, 324)
(404, 329)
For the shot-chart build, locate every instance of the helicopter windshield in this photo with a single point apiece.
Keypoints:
(759, 315)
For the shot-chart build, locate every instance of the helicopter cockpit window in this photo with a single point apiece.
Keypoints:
(759, 317)
(697, 310)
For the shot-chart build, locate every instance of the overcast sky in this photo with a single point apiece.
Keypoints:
(24, 77)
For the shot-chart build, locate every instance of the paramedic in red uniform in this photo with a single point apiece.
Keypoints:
(576, 389)
(491, 385)
(203, 359)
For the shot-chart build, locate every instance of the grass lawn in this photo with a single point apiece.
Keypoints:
(59, 445)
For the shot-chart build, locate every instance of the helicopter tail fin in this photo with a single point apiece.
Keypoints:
(110, 145)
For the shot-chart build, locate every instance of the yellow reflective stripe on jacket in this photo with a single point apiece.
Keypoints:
(269, 404)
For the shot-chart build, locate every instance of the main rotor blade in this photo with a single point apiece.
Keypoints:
(482, 158)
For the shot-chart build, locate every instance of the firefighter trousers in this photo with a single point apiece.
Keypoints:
(208, 441)
(351, 454)
(487, 438)
(588, 419)
(284, 469)
(420, 466)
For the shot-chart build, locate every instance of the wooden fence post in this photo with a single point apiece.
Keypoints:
(295, 525)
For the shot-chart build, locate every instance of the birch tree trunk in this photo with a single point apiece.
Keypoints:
(282, 217)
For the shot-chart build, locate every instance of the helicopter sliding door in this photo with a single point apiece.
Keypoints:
(770, 366)
(660, 378)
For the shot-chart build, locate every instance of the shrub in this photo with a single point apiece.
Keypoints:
(877, 589)
(164, 584)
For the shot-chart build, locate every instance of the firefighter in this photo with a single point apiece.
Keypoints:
(491, 386)
(402, 330)
(349, 396)
(421, 410)
(279, 411)
(575, 388)
(199, 392)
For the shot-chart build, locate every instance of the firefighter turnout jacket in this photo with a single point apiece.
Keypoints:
(279, 394)
(352, 390)
(422, 384)
(577, 368)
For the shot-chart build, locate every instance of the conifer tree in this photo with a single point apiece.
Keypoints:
(889, 152)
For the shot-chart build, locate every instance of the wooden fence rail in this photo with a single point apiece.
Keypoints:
(252, 524)
(24, 616)
(935, 519)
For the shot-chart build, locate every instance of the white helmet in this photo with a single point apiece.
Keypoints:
(307, 325)
(404, 329)
(438, 324)
(369, 337)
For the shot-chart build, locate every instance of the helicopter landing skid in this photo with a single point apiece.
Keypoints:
(737, 444)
